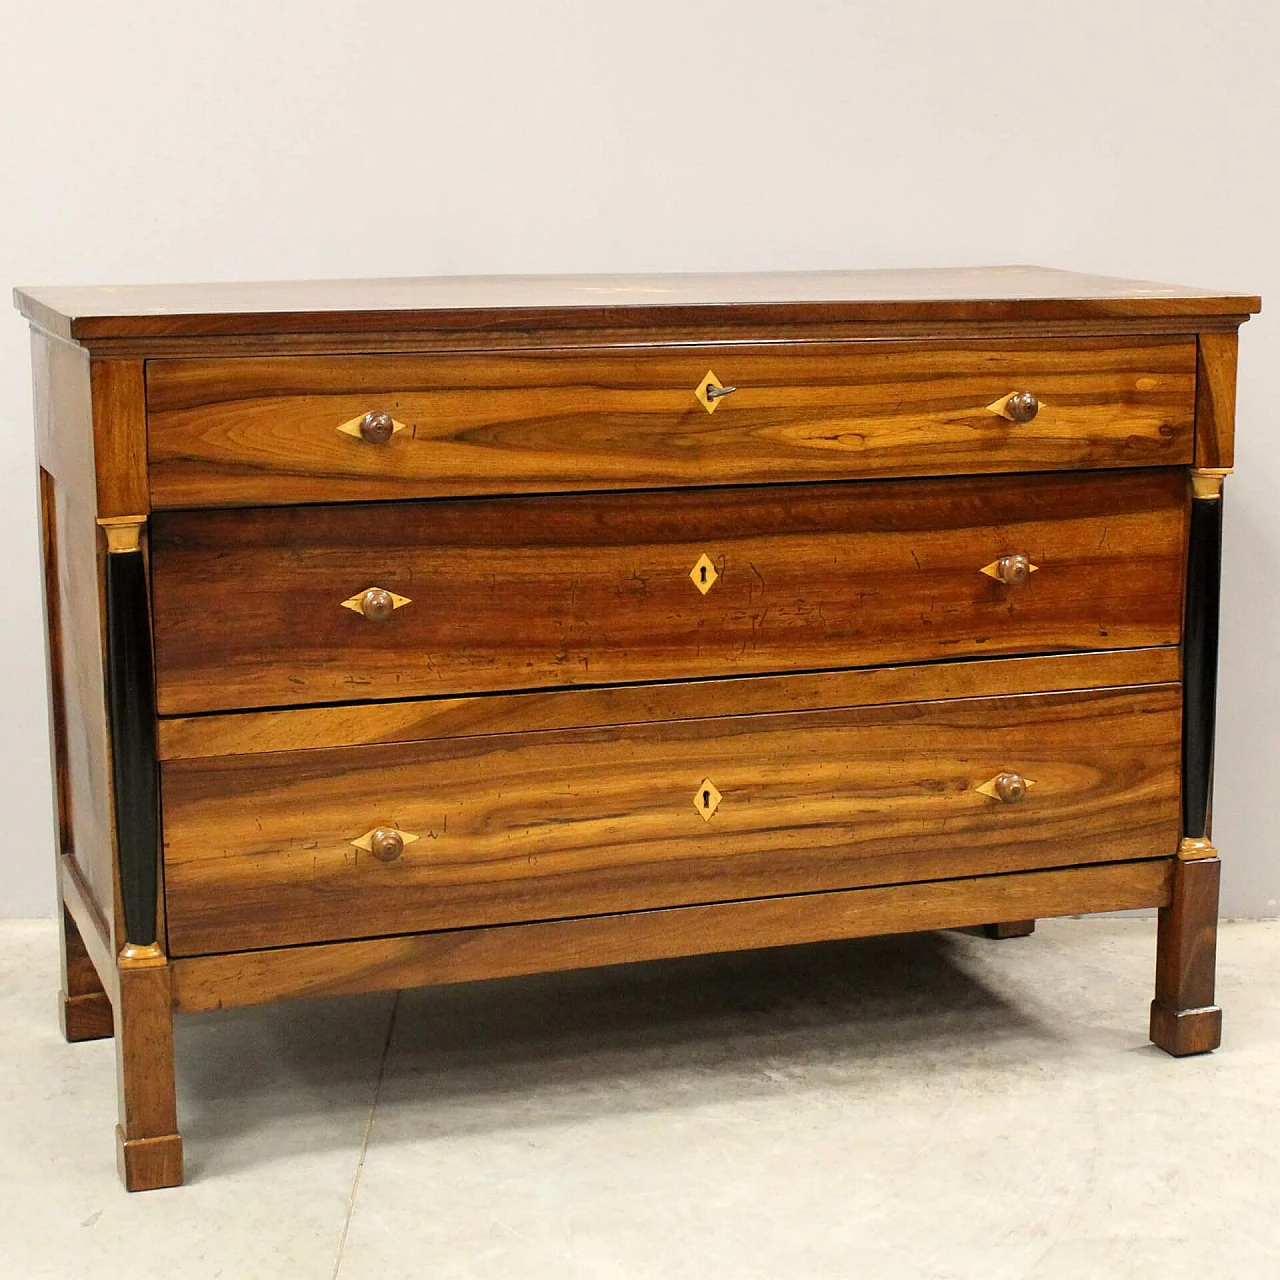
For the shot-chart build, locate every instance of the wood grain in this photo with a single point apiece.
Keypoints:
(73, 576)
(304, 728)
(1216, 399)
(264, 431)
(1184, 1018)
(531, 826)
(95, 933)
(55, 661)
(148, 1146)
(217, 982)
(553, 592)
(747, 328)
(120, 437)
(84, 1009)
(1022, 293)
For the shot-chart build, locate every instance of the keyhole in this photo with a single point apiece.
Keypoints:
(706, 799)
(704, 578)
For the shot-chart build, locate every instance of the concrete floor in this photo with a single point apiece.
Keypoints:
(931, 1106)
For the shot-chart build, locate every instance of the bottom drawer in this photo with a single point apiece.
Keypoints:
(276, 849)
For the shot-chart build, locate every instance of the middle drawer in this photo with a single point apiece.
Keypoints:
(287, 606)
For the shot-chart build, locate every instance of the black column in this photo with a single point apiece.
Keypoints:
(131, 710)
(1200, 662)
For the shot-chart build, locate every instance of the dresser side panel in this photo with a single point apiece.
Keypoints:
(65, 452)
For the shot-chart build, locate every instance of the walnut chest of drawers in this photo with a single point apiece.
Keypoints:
(409, 632)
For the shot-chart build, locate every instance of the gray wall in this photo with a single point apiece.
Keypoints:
(147, 142)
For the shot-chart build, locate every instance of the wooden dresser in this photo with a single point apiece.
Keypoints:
(411, 632)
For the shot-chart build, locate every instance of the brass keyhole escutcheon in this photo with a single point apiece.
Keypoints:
(704, 574)
(707, 799)
(710, 391)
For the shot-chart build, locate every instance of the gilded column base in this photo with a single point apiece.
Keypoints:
(1193, 848)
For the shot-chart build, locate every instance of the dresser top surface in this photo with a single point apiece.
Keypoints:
(338, 306)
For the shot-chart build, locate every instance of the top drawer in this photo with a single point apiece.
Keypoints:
(231, 432)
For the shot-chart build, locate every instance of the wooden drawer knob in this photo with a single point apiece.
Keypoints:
(1010, 787)
(386, 844)
(376, 428)
(1022, 406)
(377, 604)
(1014, 569)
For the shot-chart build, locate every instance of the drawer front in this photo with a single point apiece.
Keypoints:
(272, 850)
(286, 429)
(264, 608)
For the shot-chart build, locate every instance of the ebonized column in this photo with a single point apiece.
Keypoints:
(1184, 1018)
(1200, 657)
(131, 716)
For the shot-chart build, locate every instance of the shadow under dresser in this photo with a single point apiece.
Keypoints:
(418, 631)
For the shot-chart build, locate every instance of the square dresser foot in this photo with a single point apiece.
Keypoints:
(1183, 1032)
(86, 1017)
(84, 1008)
(147, 1164)
(1010, 929)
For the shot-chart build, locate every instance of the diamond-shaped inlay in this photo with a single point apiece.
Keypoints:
(365, 842)
(704, 574)
(1001, 569)
(707, 799)
(376, 603)
(709, 403)
(353, 427)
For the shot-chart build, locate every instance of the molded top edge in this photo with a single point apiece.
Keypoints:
(336, 306)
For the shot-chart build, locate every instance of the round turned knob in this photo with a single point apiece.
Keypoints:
(386, 844)
(377, 605)
(377, 428)
(1014, 569)
(1011, 787)
(1022, 406)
